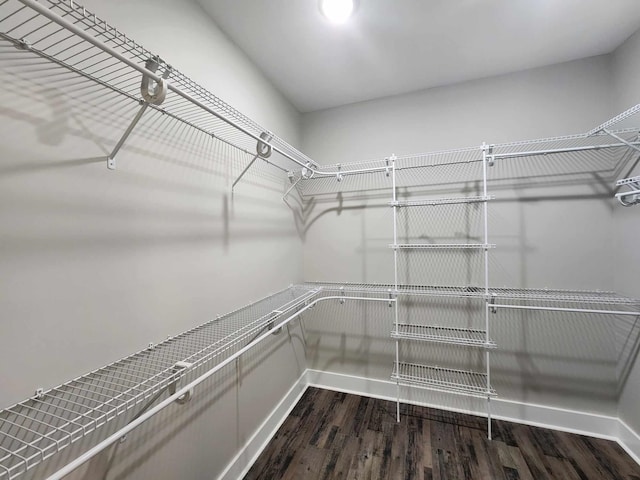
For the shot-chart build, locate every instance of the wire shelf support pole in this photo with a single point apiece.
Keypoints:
(395, 277)
(486, 158)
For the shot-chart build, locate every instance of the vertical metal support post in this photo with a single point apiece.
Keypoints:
(395, 282)
(111, 159)
(485, 159)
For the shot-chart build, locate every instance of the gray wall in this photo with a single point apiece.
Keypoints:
(96, 264)
(545, 228)
(626, 229)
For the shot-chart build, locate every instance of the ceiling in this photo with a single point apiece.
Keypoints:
(390, 47)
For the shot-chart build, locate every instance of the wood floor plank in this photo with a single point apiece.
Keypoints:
(337, 436)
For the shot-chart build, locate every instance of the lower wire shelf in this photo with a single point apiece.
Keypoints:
(437, 334)
(443, 379)
(35, 429)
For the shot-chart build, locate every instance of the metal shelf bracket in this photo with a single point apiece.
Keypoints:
(150, 96)
(629, 197)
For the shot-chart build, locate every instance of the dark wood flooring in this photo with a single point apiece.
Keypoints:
(332, 435)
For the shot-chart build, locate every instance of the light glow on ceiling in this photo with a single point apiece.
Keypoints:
(337, 11)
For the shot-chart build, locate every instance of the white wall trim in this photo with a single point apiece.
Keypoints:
(572, 421)
(242, 462)
(629, 440)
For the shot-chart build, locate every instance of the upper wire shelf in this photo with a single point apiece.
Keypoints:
(521, 294)
(35, 429)
(68, 35)
(581, 155)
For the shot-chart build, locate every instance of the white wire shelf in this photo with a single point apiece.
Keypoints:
(79, 46)
(525, 295)
(441, 201)
(443, 379)
(35, 429)
(442, 246)
(437, 334)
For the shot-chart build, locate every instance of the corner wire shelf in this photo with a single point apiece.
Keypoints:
(546, 159)
(33, 430)
(438, 334)
(65, 33)
(525, 295)
(443, 379)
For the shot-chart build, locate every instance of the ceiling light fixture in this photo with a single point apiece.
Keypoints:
(337, 11)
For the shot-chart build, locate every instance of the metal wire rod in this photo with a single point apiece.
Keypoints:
(559, 309)
(70, 467)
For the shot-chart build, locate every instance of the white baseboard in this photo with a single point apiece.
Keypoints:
(629, 440)
(573, 421)
(583, 423)
(242, 462)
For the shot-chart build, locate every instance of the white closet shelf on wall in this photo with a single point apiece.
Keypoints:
(66, 34)
(35, 429)
(532, 296)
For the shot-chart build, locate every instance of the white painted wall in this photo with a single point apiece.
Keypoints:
(97, 264)
(549, 234)
(626, 229)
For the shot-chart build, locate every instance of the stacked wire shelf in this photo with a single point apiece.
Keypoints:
(443, 379)
(438, 334)
(35, 429)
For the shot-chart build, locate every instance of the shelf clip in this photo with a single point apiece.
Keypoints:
(39, 393)
(387, 170)
(339, 175)
(180, 367)
(488, 150)
(159, 92)
(632, 196)
(264, 149)
(275, 314)
(492, 302)
(342, 295)
(390, 298)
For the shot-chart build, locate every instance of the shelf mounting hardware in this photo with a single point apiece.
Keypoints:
(629, 197)
(150, 96)
(180, 367)
(263, 150)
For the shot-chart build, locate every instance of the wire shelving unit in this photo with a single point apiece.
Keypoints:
(33, 430)
(64, 33)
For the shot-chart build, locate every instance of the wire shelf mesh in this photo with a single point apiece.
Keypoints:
(29, 31)
(440, 334)
(443, 223)
(442, 379)
(455, 173)
(526, 295)
(35, 429)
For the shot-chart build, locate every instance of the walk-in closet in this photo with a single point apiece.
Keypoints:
(330, 239)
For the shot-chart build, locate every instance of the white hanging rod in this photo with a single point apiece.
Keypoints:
(89, 454)
(157, 78)
(559, 309)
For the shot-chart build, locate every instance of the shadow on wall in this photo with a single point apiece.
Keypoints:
(569, 359)
(163, 169)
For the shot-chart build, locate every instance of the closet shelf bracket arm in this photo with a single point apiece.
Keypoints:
(263, 150)
(151, 95)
